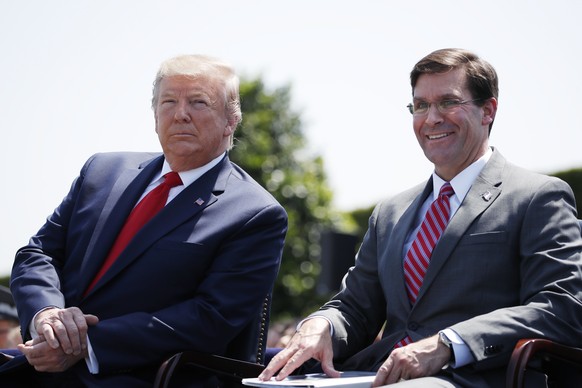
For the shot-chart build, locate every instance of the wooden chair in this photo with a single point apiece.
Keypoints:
(535, 359)
(244, 356)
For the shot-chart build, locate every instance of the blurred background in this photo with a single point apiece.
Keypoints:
(325, 88)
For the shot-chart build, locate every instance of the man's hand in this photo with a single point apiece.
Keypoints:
(419, 359)
(44, 358)
(65, 328)
(312, 340)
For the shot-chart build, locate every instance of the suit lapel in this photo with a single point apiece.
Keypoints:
(192, 200)
(482, 194)
(123, 196)
(398, 239)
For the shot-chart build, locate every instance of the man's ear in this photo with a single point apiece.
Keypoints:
(230, 127)
(489, 110)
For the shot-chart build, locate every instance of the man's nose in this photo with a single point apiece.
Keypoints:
(182, 113)
(433, 116)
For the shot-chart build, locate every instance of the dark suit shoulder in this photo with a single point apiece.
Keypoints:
(521, 180)
(251, 184)
(116, 161)
(133, 159)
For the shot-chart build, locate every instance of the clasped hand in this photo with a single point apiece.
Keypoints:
(61, 341)
(313, 340)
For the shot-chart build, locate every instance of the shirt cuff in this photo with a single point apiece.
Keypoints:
(91, 359)
(460, 349)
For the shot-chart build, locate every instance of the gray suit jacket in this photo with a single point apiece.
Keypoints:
(508, 266)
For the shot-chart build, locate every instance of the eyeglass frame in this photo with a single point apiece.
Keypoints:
(440, 107)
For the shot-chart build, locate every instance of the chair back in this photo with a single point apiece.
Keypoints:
(244, 357)
(250, 344)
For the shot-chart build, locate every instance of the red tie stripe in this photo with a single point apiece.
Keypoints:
(418, 256)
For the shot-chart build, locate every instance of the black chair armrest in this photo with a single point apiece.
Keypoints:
(222, 366)
(528, 350)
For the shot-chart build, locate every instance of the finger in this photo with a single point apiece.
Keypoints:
(327, 364)
(34, 351)
(66, 331)
(276, 363)
(35, 341)
(48, 332)
(45, 359)
(91, 319)
(383, 373)
(76, 330)
(78, 333)
(23, 348)
(294, 361)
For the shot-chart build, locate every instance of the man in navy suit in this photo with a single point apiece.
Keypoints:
(191, 279)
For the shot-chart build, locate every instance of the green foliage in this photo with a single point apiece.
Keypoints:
(270, 146)
(359, 221)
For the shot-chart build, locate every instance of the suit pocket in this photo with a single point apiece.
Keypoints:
(179, 246)
(499, 236)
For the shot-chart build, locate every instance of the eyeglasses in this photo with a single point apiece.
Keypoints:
(445, 106)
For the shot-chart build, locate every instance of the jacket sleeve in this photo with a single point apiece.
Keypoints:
(549, 264)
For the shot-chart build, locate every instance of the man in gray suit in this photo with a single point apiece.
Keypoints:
(508, 264)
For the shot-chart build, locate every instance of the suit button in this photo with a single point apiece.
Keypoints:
(492, 349)
(413, 326)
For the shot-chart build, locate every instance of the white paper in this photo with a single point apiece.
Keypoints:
(315, 380)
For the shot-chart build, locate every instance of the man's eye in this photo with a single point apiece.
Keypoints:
(168, 101)
(421, 106)
(199, 103)
(448, 104)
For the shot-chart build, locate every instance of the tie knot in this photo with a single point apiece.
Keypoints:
(172, 179)
(447, 190)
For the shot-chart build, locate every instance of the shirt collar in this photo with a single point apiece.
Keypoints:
(190, 176)
(463, 181)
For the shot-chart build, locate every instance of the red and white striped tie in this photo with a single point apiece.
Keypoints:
(418, 256)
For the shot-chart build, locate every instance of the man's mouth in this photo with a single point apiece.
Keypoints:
(436, 137)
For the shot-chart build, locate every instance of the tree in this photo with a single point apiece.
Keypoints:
(270, 146)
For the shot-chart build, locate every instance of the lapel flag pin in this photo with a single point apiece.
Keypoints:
(199, 201)
(486, 196)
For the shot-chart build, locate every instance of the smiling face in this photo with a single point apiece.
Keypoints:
(454, 140)
(191, 120)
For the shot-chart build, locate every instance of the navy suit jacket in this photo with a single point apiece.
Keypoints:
(192, 278)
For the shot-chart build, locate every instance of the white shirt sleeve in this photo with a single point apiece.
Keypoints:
(460, 349)
(91, 359)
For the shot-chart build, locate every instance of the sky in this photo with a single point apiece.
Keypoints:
(77, 78)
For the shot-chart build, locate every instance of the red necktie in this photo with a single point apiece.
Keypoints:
(144, 211)
(418, 256)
